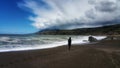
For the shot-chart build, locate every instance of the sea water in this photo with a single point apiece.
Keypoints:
(32, 42)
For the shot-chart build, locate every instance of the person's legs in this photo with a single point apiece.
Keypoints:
(69, 47)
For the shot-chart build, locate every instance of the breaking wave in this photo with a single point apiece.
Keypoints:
(18, 43)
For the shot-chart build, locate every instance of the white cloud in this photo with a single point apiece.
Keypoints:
(67, 14)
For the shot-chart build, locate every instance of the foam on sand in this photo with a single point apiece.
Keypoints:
(34, 43)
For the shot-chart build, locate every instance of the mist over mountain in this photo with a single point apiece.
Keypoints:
(104, 30)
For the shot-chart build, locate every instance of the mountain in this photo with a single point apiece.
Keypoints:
(104, 30)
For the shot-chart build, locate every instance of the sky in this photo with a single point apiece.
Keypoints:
(29, 16)
(14, 20)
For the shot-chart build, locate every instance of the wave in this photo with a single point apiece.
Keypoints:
(42, 42)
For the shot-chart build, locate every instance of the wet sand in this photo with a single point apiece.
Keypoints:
(104, 54)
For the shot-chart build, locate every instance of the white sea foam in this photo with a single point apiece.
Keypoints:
(42, 42)
(100, 37)
(4, 38)
(9, 40)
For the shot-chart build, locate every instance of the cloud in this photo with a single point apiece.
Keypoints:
(106, 6)
(105, 11)
(69, 14)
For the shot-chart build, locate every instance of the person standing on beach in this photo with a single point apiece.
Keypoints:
(69, 43)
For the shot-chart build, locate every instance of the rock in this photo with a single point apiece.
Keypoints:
(92, 39)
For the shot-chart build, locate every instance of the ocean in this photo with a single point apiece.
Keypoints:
(32, 42)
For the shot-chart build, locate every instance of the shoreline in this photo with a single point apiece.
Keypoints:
(96, 55)
(82, 44)
(13, 48)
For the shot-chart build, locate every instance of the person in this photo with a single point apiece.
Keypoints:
(69, 43)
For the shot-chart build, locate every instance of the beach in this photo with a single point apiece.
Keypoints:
(103, 54)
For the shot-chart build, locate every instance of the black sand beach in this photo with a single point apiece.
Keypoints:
(104, 54)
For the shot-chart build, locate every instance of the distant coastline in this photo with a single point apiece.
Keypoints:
(104, 30)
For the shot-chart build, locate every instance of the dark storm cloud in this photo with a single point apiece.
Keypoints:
(90, 14)
(106, 6)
